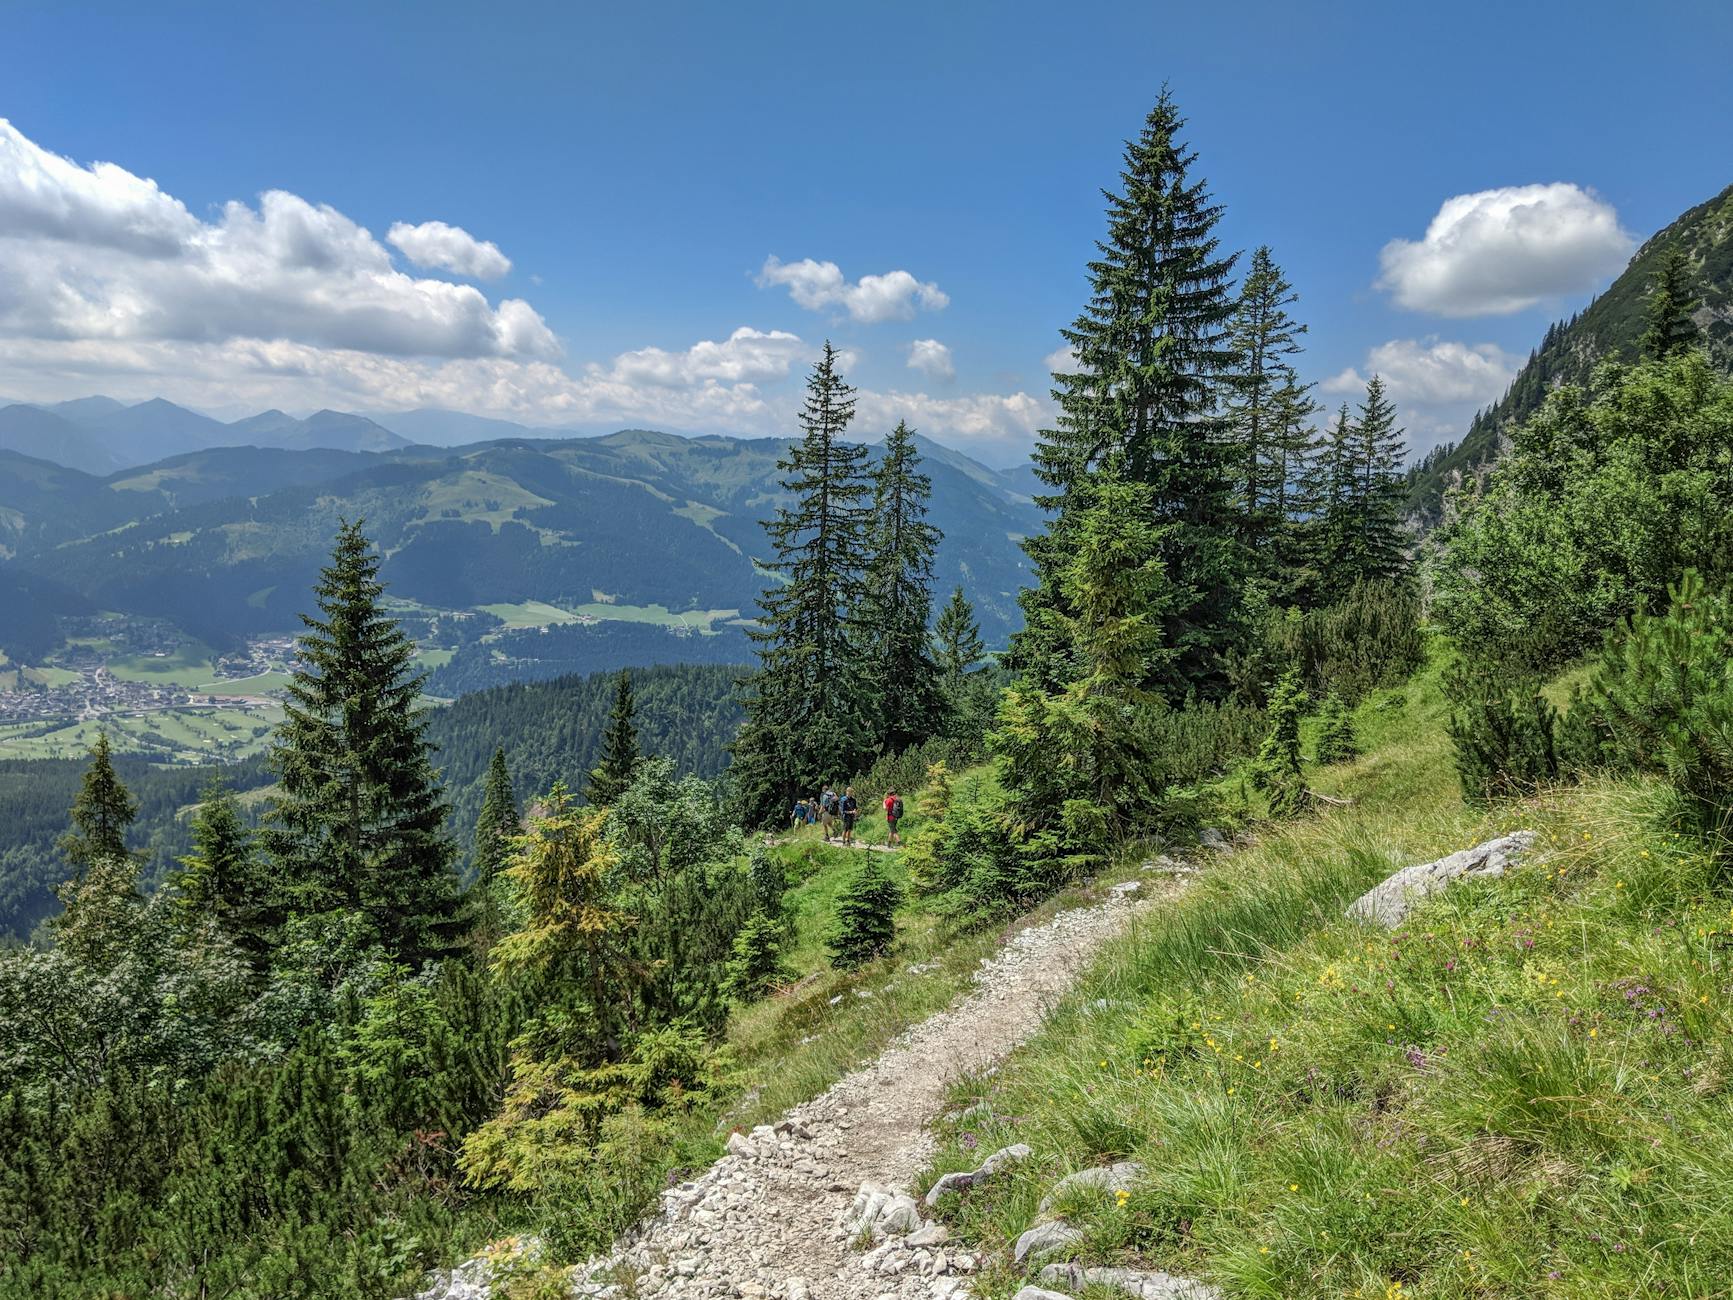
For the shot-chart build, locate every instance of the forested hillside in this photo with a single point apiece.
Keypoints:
(1609, 327)
(225, 543)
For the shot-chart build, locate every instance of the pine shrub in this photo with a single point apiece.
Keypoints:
(1505, 736)
(1664, 691)
(757, 965)
(865, 917)
(1279, 771)
(1337, 741)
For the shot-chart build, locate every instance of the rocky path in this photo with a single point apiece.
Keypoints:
(777, 1216)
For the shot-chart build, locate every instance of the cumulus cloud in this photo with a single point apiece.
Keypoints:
(99, 253)
(1061, 361)
(1433, 370)
(995, 425)
(1437, 384)
(746, 356)
(1502, 250)
(932, 358)
(449, 248)
(821, 286)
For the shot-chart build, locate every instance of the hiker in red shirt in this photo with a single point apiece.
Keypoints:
(893, 815)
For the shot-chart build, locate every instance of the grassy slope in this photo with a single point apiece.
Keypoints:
(1524, 1092)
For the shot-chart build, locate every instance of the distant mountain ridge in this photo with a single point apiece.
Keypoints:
(100, 435)
(227, 542)
(1610, 326)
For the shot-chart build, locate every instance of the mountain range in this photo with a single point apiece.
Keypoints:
(638, 526)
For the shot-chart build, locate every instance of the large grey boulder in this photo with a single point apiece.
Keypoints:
(1129, 1281)
(1104, 1178)
(1389, 903)
(956, 1182)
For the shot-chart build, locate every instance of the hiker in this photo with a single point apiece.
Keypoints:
(850, 814)
(827, 806)
(812, 811)
(893, 815)
(802, 815)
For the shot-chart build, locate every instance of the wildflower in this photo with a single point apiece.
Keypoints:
(1293, 1187)
(1263, 1250)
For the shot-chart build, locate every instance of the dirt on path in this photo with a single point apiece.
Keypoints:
(773, 1218)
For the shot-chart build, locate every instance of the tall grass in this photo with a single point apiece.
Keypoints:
(1525, 1091)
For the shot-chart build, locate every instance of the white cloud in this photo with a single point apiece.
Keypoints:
(985, 422)
(449, 248)
(932, 358)
(1433, 370)
(1061, 361)
(98, 253)
(1500, 251)
(818, 286)
(1437, 384)
(746, 356)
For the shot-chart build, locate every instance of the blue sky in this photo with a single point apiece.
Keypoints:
(637, 165)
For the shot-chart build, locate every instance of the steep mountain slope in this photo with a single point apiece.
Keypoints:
(336, 430)
(32, 431)
(228, 542)
(1608, 327)
(137, 435)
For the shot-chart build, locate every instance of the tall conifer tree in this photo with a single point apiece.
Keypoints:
(358, 820)
(1152, 352)
(958, 636)
(498, 821)
(611, 777)
(807, 720)
(1263, 386)
(899, 597)
(1670, 327)
(102, 811)
(1375, 543)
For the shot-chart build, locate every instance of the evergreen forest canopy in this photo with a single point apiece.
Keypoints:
(441, 972)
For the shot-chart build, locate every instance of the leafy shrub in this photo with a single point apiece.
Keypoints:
(1605, 498)
(865, 917)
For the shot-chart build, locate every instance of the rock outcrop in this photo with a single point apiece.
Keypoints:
(1388, 904)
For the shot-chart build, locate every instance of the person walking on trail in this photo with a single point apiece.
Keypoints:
(827, 808)
(801, 815)
(893, 815)
(850, 815)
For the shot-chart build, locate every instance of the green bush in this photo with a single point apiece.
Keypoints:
(1278, 770)
(1337, 741)
(1505, 736)
(757, 965)
(1371, 637)
(866, 922)
(1664, 692)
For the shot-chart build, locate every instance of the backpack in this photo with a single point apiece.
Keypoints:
(897, 808)
(828, 801)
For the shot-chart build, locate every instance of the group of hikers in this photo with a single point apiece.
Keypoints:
(829, 811)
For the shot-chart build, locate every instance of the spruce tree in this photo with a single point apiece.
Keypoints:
(1672, 301)
(807, 719)
(357, 824)
(1279, 770)
(1377, 543)
(610, 778)
(1264, 338)
(958, 637)
(865, 917)
(219, 879)
(498, 821)
(1153, 352)
(1297, 447)
(756, 965)
(101, 813)
(899, 598)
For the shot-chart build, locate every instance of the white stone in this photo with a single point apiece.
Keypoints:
(1388, 903)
